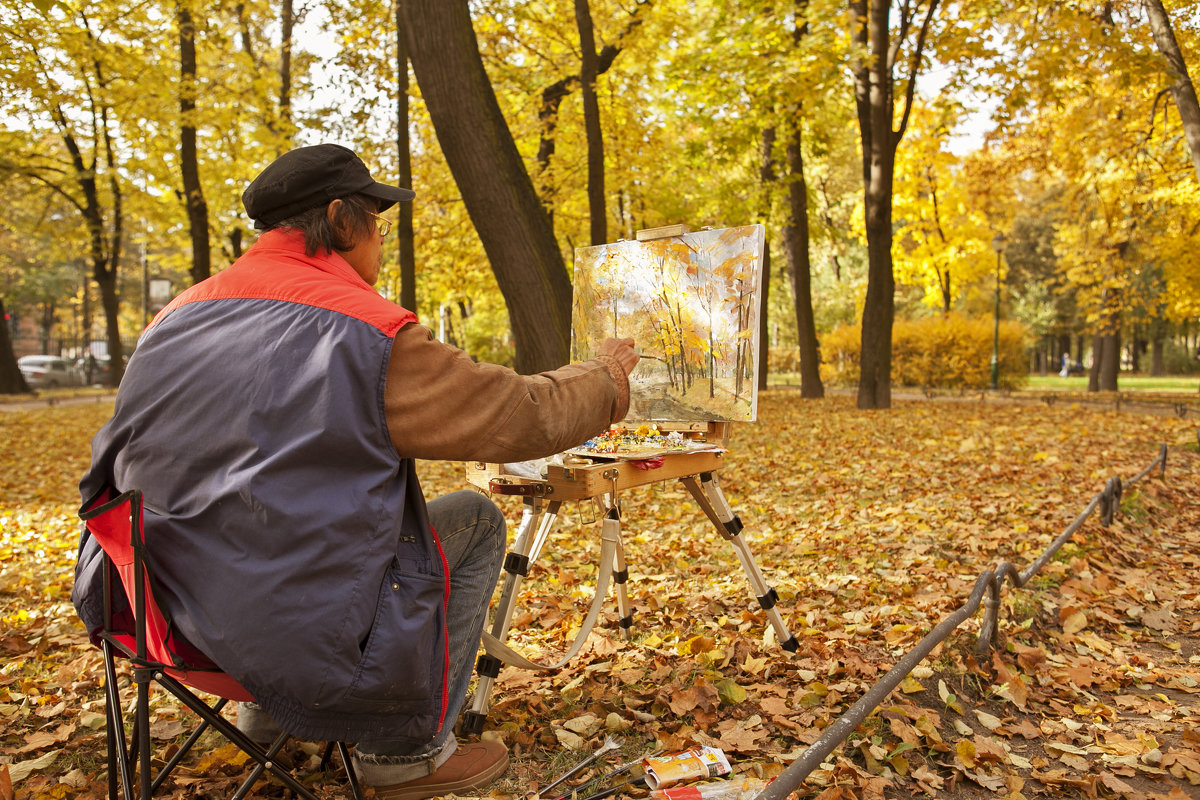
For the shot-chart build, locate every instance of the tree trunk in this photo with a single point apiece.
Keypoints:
(1110, 364)
(1094, 369)
(764, 338)
(873, 99)
(555, 93)
(197, 208)
(1158, 335)
(1106, 347)
(799, 259)
(11, 379)
(766, 177)
(800, 266)
(109, 295)
(1182, 89)
(874, 103)
(406, 250)
(496, 189)
(597, 212)
(287, 21)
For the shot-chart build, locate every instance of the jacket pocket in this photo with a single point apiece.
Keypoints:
(403, 662)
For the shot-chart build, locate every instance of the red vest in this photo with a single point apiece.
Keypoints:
(291, 541)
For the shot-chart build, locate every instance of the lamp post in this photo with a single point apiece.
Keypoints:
(997, 245)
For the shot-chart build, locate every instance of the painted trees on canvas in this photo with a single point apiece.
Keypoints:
(690, 301)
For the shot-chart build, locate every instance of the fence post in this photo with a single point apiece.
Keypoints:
(1112, 499)
(991, 582)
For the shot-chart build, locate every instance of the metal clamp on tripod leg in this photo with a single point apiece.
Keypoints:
(537, 518)
(497, 652)
(711, 499)
(620, 570)
(610, 542)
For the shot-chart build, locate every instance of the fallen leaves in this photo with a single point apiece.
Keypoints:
(872, 527)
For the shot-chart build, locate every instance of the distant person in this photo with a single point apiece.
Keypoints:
(1066, 365)
(272, 415)
(89, 367)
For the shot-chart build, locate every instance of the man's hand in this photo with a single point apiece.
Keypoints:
(621, 351)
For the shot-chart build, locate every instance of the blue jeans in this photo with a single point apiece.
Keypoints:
(472, 531)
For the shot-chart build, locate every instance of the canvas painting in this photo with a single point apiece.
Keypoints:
(691, 303)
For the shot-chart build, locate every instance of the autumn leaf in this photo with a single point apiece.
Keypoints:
(966, 753)
(1074, 620)
(861, 573)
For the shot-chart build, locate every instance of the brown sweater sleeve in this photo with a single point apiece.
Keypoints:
(442, 405)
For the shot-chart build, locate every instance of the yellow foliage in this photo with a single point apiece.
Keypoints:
(948, 352)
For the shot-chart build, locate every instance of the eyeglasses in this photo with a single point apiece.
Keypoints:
(385, 225)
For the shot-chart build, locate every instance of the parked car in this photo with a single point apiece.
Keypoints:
(49, 372)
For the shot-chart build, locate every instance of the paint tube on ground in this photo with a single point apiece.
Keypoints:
(743, 787)
(689, 765)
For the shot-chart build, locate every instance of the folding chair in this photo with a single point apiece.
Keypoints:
(142, 633)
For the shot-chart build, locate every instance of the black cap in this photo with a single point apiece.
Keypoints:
(308, 177)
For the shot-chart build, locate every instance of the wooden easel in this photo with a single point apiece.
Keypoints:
(601, 479)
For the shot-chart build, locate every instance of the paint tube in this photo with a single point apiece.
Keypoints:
(742, 787)
(699, 762)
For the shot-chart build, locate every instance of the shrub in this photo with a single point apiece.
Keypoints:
(1179, 359)
(783, 360)
(946, 352)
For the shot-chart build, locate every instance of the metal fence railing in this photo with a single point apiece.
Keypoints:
(990, 584)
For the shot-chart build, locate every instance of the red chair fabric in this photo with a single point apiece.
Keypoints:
(139, 630)
(115, 521)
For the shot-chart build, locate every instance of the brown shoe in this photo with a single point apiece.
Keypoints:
(472, 765)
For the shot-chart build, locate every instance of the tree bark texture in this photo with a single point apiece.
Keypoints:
(496, 188)
(406, 250)
(875, 103)
(109, 299)
(11, 379)
(873, 100)
(287, 21)
(800, 266)
(555, 93)
(197, 208)
(597, 211)
(766, 178)
(1110, 362)
(763, 365)
(798, 239)
(104, 253)
(1183, 90)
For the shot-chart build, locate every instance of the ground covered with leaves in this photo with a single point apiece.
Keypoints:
(872, 526)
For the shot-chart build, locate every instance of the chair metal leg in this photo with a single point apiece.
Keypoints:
(267, 764)
(167, 769)
(141, 677)
(355, 788)
(344, 753)
(119, 768)
(243, 742)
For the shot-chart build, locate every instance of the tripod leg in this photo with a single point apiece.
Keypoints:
(536, 521)
(707, 492)
(612, 525)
